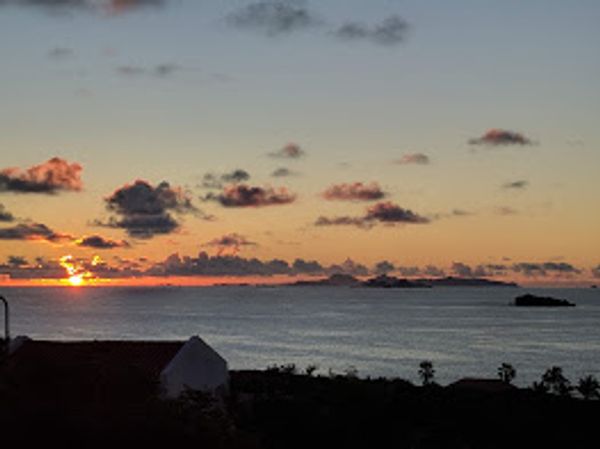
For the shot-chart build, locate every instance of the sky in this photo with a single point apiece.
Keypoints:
(210, 141)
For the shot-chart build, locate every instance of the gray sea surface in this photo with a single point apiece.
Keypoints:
(378, 332)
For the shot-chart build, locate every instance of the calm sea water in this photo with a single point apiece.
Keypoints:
(464, 331)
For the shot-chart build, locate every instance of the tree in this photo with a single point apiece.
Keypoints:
(426, 372)
(556, 382)
(589, 387)
(506, 372)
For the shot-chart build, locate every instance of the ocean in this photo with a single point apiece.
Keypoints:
(375, 332)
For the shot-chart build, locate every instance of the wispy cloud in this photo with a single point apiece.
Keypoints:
(501, 137)
(273, 18)
(230, 243)
(356, 191)
(159, 71)
(60, 53)
(289, 151)
(50, 177)
(390, 31)
(516, 185)
(33, 232)
(283, 172)
(216, 181)
(414, 159)
(386, 213)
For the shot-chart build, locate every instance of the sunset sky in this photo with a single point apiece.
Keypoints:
(228, 139)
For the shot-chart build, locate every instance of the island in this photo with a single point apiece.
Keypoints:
(385, 281)
(529, 300)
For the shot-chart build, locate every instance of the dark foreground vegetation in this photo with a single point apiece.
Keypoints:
(278, 408)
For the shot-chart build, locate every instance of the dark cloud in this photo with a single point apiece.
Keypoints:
(50, 177)
(414, 159)
(432, 270)
(144, 210)
(501, 137)
(5, 216)
(17, 261)
(349, 267)
(387, 212)
(216, 181)
(390, 31)
(99, 242)
(242, 195)
(232, 243)
(383, 267)
(384, 212)
(516, 185)
(310, 267)
(33, 232)
(354, 192)
(343, 221)
(273, 17)
(544, 269)
(113, 7)
(409, 271)
(289, 151)
(283, 172)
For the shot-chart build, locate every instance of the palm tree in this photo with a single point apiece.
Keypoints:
(506, 372)
(556, 382)
(426, 372)
(589, 387)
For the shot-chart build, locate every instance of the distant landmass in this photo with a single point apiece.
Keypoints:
(385, 281)
(529, 300)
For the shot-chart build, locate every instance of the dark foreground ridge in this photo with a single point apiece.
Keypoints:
(530, 300)
(92, 405)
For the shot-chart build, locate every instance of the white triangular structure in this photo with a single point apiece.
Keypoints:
(196, 366)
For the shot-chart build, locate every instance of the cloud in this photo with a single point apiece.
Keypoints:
(33, 232)
(232, 243)
(501, 137)
(112, 7)
(16, 261)
(50, 177)
(516, 185)
(242, 195)
(596, 271)
(343, 221)
(216, 181)
(144, 210)
(390, 31)
(160, 70)
(479, 271)
(384, 267)
(544, 269)
(289, 151)
(506, 211)
(283, 172)
(356, 191)
(414, 159)
(273, 18)
(432, 270)
(99, 242)
(310, 267)
(386, 213)
(5, 216)
(59, 53)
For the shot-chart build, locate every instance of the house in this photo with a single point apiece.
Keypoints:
(114, 370)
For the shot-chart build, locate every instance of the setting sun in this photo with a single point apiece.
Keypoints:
(76, 281)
